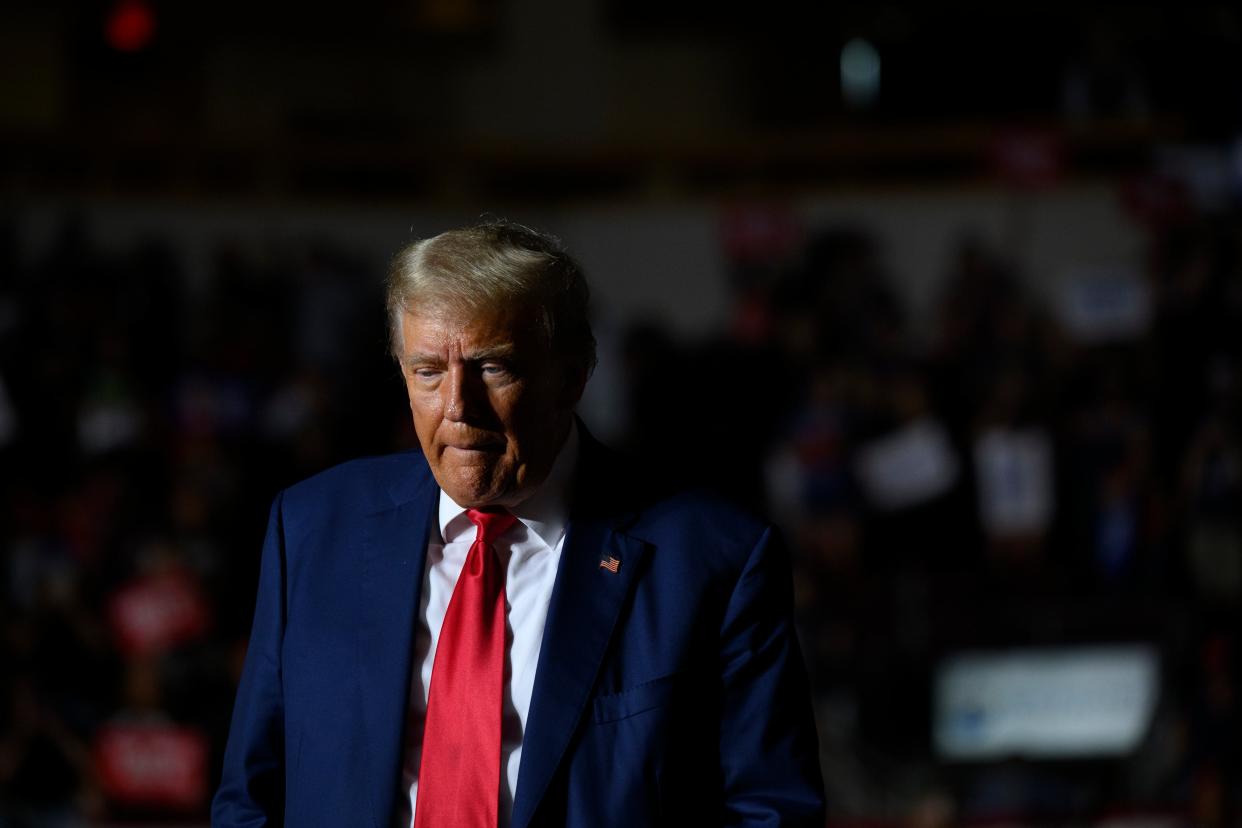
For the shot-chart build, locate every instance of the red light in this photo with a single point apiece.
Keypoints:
(131, 25)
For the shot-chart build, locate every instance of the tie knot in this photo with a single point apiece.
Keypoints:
(491, 523)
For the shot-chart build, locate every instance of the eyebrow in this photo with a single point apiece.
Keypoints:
(505, 351)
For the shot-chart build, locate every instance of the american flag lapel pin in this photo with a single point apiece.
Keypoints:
(610, 563)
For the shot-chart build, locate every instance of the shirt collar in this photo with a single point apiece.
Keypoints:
(546, 512)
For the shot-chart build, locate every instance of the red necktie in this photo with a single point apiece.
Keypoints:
(459, 773)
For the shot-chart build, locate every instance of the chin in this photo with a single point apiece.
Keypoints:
(475, 485)
(472, 496)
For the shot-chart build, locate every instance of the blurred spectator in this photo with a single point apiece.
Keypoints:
(148, 765)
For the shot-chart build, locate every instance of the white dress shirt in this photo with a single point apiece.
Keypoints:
(530, 551)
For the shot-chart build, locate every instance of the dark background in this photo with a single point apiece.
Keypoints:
(1023, 229)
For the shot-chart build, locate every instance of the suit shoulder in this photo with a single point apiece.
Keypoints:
(359, 486)
(706, 517)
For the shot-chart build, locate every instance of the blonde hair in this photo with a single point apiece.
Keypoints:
(490, 266)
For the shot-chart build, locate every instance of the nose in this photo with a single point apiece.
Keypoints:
(461, 395)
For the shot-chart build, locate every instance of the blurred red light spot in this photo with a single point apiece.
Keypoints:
(131, 25)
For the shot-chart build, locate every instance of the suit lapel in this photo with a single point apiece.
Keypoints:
(394, 555)
(586, 601)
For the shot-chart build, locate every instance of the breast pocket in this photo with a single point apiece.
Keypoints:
(650, 695)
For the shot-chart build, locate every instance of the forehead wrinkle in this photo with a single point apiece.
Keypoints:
(504, 350)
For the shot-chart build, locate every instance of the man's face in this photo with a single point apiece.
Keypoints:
(491, 402)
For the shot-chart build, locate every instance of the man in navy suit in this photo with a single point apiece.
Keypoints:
(513, 626)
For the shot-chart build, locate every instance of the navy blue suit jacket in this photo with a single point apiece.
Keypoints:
(670, 692)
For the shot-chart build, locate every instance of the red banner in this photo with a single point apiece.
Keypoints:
(155, 613)
(147, 765)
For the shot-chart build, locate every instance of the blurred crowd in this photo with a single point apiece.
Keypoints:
(145, 426)
(1014, 471)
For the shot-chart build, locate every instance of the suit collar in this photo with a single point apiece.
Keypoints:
(392, 560)
(587, 600)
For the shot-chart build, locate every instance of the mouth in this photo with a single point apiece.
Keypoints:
(482, 447)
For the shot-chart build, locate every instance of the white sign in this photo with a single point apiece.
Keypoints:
(1013, 468)
(910, 466)
(1066, 703)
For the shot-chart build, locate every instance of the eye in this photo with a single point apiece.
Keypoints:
(426, 373)
(494, 369)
